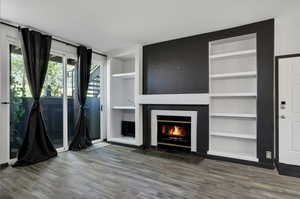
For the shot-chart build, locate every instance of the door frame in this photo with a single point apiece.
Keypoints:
(283, 169)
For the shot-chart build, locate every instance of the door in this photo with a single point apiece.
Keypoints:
(289, 110)
(94, 101)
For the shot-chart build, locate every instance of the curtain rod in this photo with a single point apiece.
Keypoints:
(53, 38)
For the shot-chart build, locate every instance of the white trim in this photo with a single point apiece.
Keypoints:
(192, 114)
(65, 104)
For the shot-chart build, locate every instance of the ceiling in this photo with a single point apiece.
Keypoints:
(105, 25)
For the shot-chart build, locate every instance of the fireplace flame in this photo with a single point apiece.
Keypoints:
(177, 131)
(173, 130)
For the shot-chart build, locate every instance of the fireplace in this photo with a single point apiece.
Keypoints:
(174, 131)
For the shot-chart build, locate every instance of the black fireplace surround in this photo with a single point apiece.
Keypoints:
(202, 126)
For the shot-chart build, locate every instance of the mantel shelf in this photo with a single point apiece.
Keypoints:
(233, 75)
(124, 75)
(237, 115)
(237, 53)
(233, 95)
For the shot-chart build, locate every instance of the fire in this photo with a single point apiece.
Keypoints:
(174, 130)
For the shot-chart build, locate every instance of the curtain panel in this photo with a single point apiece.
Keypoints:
(82, 137)
(36, 146)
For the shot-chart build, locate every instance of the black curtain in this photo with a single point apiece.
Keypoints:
(82, 137)
(36, 146)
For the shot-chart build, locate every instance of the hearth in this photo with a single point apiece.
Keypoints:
(174, 131)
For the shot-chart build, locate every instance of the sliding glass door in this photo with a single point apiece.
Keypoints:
(20, 99)
(93, 103)
(58, 99)
(52, 100)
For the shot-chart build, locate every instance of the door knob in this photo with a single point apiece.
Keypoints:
(5, 103)
(282, 117)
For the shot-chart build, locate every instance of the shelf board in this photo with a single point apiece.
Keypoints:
(123, 107)
(237, 115)
(235, 156)
(123, 140)
(233, 95)
(124, 75)
(237, 53)
(233, 75)
(233, 135)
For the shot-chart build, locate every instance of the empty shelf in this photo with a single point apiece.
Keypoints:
(233, 95)
(123, 140)
(237, 53)
(233, 135)
(235, 156)
(239, 115)
(123, 107)
(124, 75)
(233, 75)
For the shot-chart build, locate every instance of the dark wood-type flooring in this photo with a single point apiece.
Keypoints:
(127, 173)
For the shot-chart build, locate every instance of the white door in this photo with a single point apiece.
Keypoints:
(289, 110)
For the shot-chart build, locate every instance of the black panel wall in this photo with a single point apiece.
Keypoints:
(181, 66)
(176, 67)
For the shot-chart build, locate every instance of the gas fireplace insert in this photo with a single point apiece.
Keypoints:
(174, 131)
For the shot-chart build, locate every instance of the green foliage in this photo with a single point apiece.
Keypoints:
(54, 79)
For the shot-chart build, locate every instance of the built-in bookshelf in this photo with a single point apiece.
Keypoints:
(233, 92)
(123, 87)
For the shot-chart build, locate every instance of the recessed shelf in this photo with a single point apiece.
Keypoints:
(123, 107)
(237, 115)
(233, 75)
(233, 95)
(237, 53)
(124, 75)
(235, 156)
(233, 135)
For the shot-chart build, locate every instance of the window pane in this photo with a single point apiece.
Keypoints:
(93, 102)
(52, 100)
(20, 100)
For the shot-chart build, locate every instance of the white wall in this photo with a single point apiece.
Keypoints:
(287, 32)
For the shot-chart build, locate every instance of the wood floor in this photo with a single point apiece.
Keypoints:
(126, 173)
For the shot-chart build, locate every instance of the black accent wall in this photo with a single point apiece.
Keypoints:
(181, 66)
(176, 67)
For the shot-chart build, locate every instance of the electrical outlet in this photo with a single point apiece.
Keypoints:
(268, 154)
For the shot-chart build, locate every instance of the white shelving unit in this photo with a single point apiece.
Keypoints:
(233, 92)
(124, 69)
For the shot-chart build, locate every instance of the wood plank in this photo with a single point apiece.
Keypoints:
(121, 172)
